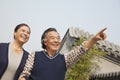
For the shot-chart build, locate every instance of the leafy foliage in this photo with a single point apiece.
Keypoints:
(83, 68)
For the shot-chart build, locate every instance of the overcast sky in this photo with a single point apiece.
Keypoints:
(90, 15)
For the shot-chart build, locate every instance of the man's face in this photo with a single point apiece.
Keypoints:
(52, 41)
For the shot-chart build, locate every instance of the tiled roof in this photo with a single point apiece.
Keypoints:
(106, 76)
(113, 50)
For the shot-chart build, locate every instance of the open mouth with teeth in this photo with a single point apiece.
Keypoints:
(23, 36)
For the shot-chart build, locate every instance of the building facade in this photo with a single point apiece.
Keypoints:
(109, 64)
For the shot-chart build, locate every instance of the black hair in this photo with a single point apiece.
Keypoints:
(19, 26)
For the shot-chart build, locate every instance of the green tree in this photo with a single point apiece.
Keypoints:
(83, 68)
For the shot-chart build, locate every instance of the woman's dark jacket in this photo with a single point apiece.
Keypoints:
(4, 60)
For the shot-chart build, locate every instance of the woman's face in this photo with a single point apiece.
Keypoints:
(52, 41)
(22, 34)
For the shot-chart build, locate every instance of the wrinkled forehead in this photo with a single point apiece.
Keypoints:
(52, 34)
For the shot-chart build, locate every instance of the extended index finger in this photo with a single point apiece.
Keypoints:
(101, 31)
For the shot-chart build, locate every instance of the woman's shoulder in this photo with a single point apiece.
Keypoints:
(4, 44)
(26, 52)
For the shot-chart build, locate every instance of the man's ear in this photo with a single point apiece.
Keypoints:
(44, 41)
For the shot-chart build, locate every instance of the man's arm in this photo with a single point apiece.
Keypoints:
(28, 67)
(99, 36)
(76, 54)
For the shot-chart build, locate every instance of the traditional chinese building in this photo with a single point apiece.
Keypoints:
(109, 64)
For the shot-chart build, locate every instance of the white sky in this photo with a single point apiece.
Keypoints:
(90, 15)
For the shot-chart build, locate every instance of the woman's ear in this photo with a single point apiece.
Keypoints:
(14, 34)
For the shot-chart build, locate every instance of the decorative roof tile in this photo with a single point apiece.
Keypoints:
(113, 51)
